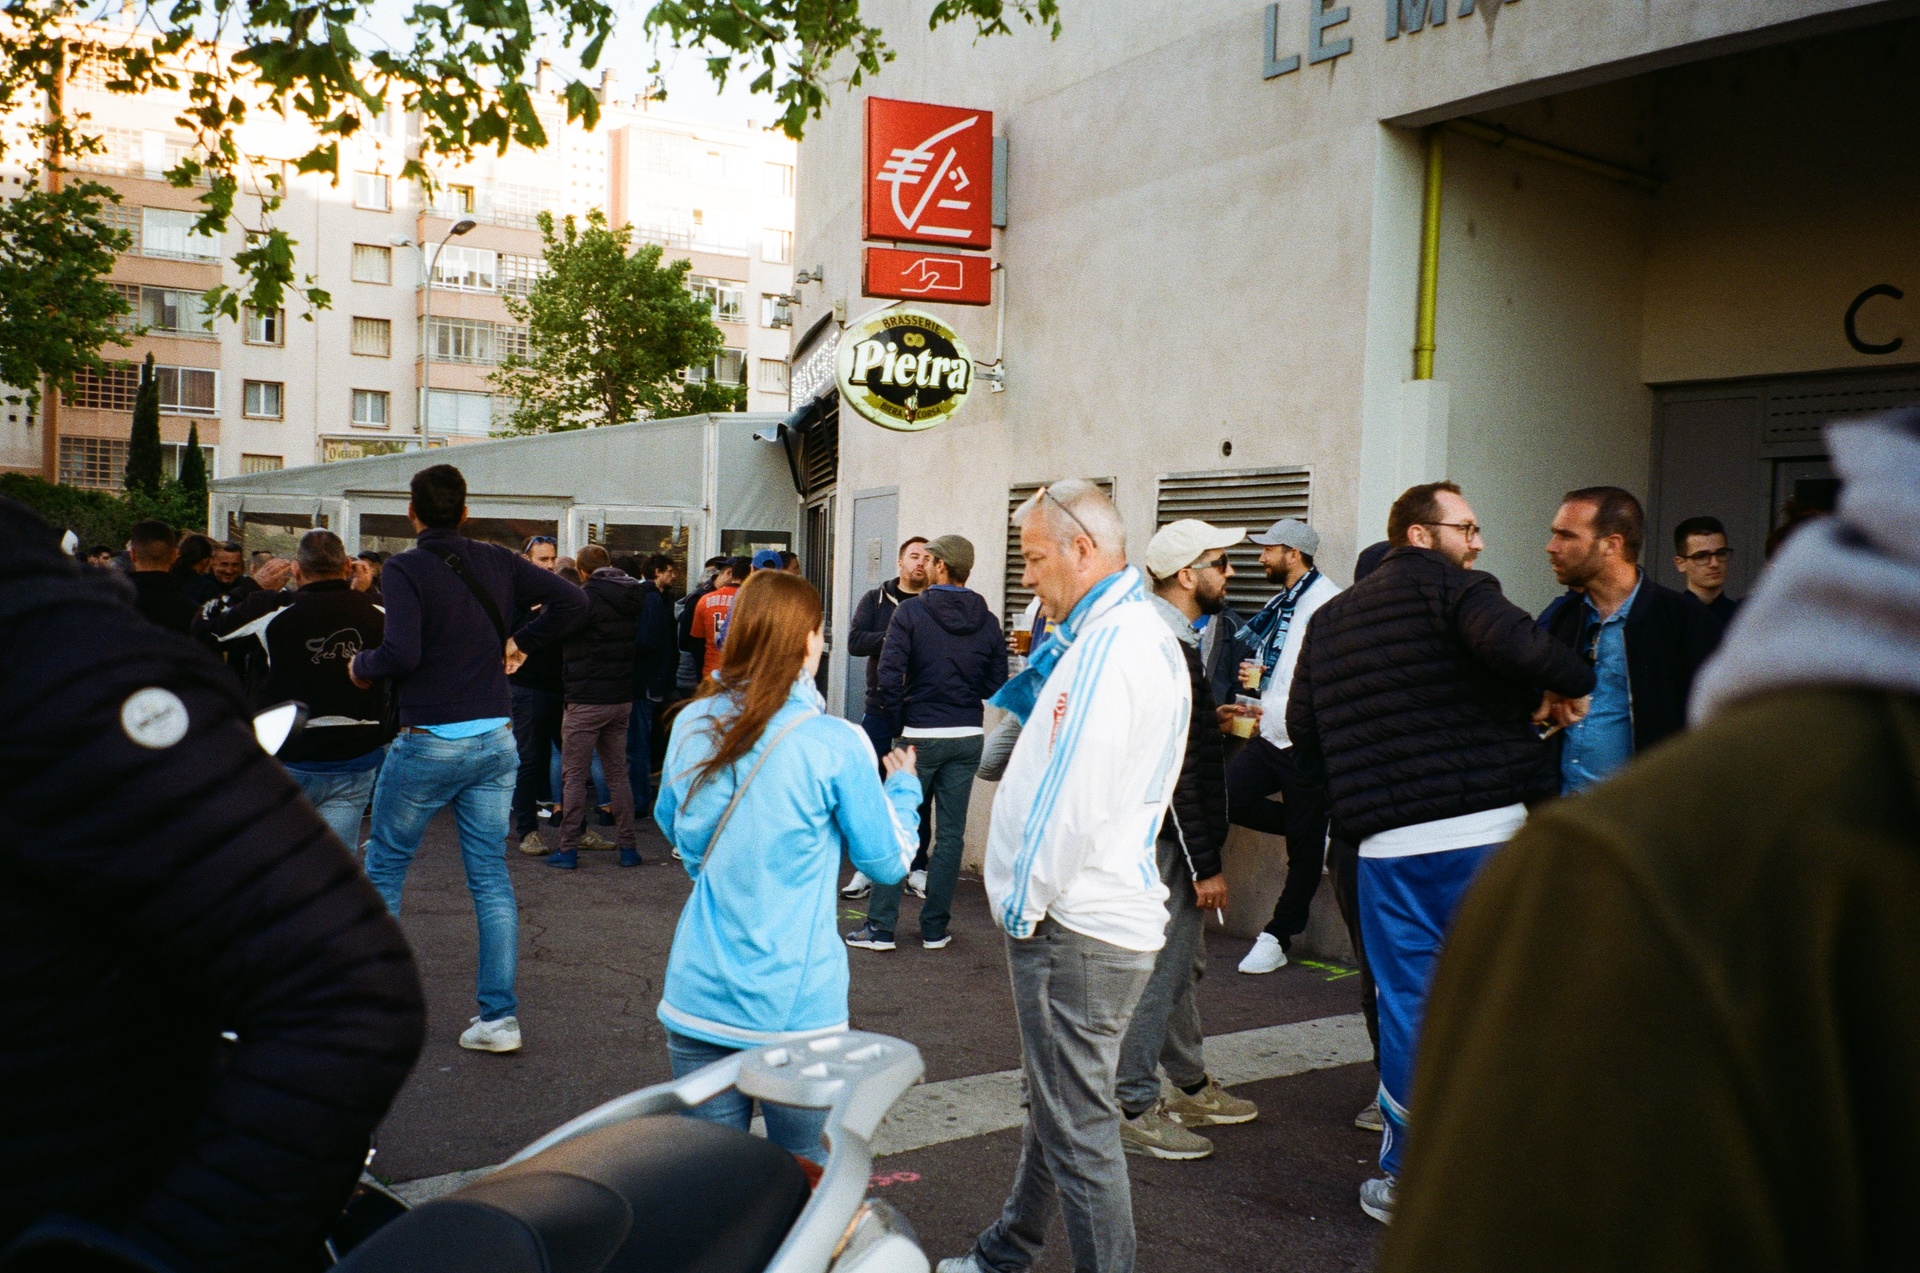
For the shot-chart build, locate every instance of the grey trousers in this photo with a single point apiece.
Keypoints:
(1073, 996)
(585, 729)
(1166, 1025)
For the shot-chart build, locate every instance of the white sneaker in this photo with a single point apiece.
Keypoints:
(1368, 1119)
(492, 1036)
(917, 883)
(1377, 1197)
(858, 886)
(1266, 955)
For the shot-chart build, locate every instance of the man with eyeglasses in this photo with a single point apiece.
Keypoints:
(1270, 642)
(1644, 642)
(1416, 702)
(1701, 555)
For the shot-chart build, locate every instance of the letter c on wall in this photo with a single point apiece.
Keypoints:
(1853, 312)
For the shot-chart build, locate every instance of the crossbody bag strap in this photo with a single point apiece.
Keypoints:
(459, 568)
(713, 841)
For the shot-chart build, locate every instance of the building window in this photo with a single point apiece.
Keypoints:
(727, 300)
(188, 390)
(774, 311)
(1238, 497)
(264, 399)
(174, 312)
(777, 247)
(513, 342)
(172, 453)
(262, 463)
(461, 269)
(729, 367)
(97, 463)
(370, 190)
(468, 414)
(167, 233)
(372, 263)
(130, 293)
(465, 340)
(370, 408)
(516, 274)
(121, 217)
(778, 181)
(373, 337)
(773, 375)
(266, 327)
(459, 199)
(115, 389)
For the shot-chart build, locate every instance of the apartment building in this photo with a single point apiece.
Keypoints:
(392, 361)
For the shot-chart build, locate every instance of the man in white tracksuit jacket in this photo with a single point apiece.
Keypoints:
(1071, 872)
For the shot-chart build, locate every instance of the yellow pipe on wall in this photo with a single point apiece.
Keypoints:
(1429, 262)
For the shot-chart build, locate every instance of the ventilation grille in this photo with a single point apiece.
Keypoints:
(1253, 498)
(1796, 414)
(1016, 596)
(820, 452)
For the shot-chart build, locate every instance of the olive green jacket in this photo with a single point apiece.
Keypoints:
(1678, 1021)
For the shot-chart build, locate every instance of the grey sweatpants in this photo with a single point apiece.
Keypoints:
(1166, 1025)
(1073, 996)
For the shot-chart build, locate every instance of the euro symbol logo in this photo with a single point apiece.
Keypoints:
(934, 274)
(908, 167)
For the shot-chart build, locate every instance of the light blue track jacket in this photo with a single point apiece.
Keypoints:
(757, 956)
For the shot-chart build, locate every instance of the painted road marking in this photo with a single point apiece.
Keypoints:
(980, 1104)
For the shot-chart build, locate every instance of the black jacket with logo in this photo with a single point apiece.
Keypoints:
(600, 652)
(867, 633)
(162, 881)
(305, 640)
(1414, 692)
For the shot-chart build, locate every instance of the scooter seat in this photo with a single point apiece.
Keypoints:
(664, 1194)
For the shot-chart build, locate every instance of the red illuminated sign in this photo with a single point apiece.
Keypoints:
(929, 174)
(911, 274)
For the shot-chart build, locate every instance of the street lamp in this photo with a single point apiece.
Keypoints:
(426, 327)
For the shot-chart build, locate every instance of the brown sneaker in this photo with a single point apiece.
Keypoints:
(591, 839)
(1212, 1105)
(1157, 1134)
(532, 845)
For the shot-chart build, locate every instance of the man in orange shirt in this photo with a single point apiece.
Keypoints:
(710, 615)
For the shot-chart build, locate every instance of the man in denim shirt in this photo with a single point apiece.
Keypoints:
(1645, 642)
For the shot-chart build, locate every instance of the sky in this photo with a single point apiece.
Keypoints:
(691, 93)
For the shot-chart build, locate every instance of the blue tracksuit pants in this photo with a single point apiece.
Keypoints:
(1406, 906)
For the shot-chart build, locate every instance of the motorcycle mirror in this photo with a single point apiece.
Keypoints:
(277, 724)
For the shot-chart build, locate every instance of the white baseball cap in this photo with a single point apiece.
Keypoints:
(1179, 544)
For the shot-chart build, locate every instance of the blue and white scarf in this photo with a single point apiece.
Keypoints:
(1266, 632)
(1020, 693)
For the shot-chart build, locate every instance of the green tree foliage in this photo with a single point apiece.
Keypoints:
(143, 446)
(466, 70)
(56, 308)
(103, 517)
(193, 470)
(609, 332)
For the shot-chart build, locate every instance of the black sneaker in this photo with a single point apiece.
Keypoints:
(867, 937)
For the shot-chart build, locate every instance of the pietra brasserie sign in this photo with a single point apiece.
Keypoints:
(903, 369)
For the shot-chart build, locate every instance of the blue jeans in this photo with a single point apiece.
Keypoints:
(341, 799)
(424, 775)
(795, 1130)
(1406, 907)
(640, 754)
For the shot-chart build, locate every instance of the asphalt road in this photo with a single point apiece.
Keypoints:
(1278, 1194)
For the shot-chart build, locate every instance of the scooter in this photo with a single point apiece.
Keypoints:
(635, 1187)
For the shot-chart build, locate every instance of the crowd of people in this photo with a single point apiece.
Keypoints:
(1463, 771)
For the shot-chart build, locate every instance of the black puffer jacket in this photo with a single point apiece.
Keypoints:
(1413, 692)
(1196, 820)
(601, 651)
(162, 881)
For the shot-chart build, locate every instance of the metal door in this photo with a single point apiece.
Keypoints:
(876, 531)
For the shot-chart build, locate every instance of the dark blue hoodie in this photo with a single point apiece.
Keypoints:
(944, 655)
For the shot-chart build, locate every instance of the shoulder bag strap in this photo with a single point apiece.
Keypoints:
(459, 568)
(713, 841)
